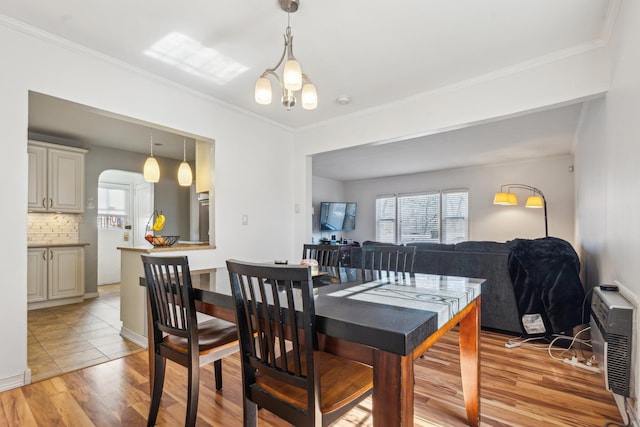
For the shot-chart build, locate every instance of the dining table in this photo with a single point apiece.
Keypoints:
(386, 323)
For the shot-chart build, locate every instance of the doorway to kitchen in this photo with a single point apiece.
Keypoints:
(125, 204)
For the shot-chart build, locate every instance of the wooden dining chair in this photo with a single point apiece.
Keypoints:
(326, 255)
(282, 369)
(176, 333)
(382, 260)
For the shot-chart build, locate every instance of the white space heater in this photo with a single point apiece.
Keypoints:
(611, 334)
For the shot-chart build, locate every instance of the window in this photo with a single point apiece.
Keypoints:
(438, 217)
(113, 205)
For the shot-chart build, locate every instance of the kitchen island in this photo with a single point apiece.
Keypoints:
(133, 304)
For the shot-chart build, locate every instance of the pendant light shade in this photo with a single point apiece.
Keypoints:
(263, 91)
(309, 97)
(292, 75)
(151, 169)
(185, 177)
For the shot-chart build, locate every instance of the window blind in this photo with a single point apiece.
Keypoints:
(438, 217)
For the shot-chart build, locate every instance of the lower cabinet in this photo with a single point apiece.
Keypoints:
(55, 274)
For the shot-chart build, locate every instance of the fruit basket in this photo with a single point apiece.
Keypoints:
(159, 241)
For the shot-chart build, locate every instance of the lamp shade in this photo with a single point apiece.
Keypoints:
(151, 170)
(501, 198)
(292, 75)
(512, 199)
(309, 97)
(185, 177)
(534, 202)
(263, 91)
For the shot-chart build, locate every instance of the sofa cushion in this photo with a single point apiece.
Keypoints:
(426, 246)
(372, 243)
(480, 246)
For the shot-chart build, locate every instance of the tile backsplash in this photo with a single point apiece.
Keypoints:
(53, 228)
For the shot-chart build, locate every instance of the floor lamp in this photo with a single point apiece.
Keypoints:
(536, 200)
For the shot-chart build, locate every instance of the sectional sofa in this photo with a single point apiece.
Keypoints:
(487, 260)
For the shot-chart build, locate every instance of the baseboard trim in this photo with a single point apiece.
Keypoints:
(134, 337)
(15, 381)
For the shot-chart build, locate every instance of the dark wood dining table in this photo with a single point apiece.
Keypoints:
(386, 323)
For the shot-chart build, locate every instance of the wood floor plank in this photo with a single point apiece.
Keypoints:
(16, 410)
(520, 387)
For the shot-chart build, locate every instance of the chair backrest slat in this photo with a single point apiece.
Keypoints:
(381, 260)
(326, 255)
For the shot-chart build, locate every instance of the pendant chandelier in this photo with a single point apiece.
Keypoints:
(185, 177)
(151, 169)
(292, 75)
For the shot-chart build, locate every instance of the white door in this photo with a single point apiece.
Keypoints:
(125, 203)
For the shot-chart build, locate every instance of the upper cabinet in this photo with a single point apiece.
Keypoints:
(56, 178)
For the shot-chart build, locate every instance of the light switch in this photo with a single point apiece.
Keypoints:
(245, 219)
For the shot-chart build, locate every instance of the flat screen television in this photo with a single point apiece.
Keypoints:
(337, 216)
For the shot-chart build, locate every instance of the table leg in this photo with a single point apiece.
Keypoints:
(470, 362)
(392, 389)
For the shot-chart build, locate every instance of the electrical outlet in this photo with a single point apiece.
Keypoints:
(245, 219)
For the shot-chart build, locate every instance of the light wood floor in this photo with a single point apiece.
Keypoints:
(65, 338)
(519, 387)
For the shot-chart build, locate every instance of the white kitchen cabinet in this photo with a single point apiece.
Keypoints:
(56, 178)
(55, 274)
(37, 275)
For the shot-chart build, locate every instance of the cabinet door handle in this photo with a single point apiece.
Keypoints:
(44, 255)
(50, 202)
(44, 203)
(50, 254)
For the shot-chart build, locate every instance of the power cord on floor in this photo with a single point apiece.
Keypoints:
(573, 360)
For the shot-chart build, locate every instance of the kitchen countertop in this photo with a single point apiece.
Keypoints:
(55, 245)
(177, 247)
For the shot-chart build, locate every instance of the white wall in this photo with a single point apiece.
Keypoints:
(607, 173)
(543, 84)
(253, 160)
(487, 221)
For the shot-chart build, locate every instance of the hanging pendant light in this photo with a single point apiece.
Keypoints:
(151, 170)
(185, 177)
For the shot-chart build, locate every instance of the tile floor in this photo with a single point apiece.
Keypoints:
(70, 337)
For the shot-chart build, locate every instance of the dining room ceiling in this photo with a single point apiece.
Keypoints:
(374, 53)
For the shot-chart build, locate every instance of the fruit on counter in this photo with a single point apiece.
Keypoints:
(149, 238)
(159, 222)
(159, 240)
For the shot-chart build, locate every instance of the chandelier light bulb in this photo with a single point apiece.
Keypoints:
(292, 75)
(263, 91)
(309, 97)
